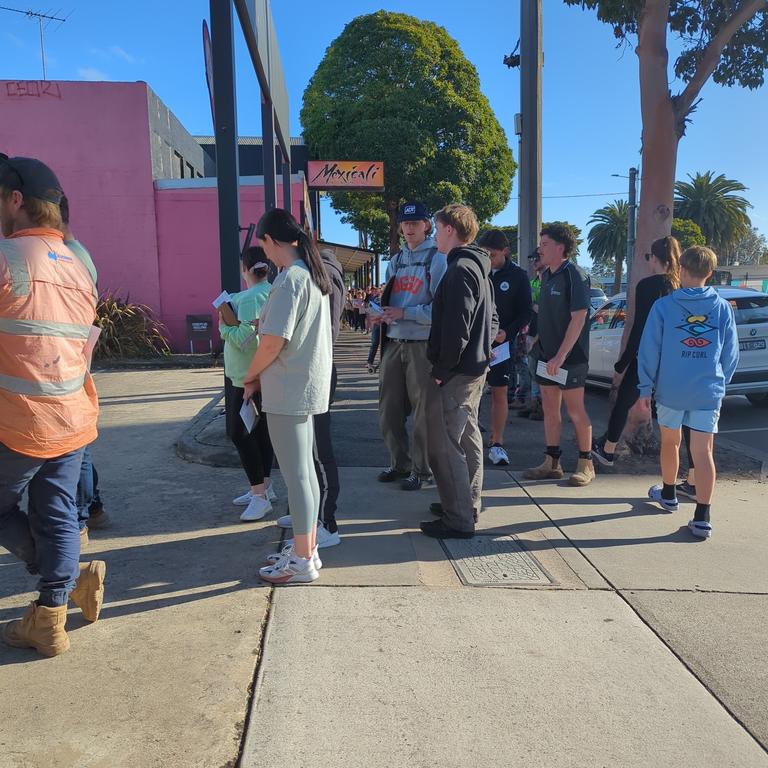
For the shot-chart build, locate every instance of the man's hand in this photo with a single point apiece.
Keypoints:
(393, 314)
(501, 337)
(374, 320)
(227, 316)
(251, 388)
(438, 382)
(555, 364)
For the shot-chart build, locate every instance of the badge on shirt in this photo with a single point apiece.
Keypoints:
(504, 286)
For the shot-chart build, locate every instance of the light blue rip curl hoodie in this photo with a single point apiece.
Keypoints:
(689, 350)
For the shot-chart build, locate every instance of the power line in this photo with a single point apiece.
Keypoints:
(40, 18)
(590, 194)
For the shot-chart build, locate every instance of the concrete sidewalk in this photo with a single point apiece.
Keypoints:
(643, 648)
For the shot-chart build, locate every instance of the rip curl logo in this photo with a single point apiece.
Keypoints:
(409, 209)
(697, 326)
(408, 284)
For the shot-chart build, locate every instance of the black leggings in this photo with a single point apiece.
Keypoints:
(626, 397)
(255, 449)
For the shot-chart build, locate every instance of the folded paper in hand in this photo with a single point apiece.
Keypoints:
(249, 413)
(500, 354)
(560, 377)
(221, 299)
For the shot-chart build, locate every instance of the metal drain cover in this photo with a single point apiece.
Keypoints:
(495, 561)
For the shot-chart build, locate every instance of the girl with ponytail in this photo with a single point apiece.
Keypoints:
(664, 261)
(292, 369)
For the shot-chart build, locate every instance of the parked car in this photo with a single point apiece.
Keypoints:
(751, 310)
(597, 298)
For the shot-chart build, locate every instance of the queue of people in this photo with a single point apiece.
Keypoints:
(454, 316)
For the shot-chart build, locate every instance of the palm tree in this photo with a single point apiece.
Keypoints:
(710, 201)
(607, 239)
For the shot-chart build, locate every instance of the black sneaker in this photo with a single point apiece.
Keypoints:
(436, 508)
(391, 474)
(686, 489)
(412, 482)
(437, 529)
(599, 454)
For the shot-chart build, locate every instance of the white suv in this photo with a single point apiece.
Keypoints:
(751, 310)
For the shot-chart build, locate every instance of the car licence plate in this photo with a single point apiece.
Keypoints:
(751, 345)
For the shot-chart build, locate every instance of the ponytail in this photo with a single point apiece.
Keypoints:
(667, 251)
(282, 227)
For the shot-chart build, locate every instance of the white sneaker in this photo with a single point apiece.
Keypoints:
(654, 494)
(290, 569)
(700, 528)
(257, 508)
(498, 455)
(287, 550)
(271, 495)
(285, 522)
(324, 538)
(244, 500)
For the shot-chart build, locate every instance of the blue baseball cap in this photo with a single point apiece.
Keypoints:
(413, 212)
(30, 177)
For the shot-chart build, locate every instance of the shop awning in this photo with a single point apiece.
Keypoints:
(351, 259)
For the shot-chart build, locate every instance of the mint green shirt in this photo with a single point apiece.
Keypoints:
(241, 341)
(82, 253)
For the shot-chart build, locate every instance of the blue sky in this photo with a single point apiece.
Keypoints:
(591, 102)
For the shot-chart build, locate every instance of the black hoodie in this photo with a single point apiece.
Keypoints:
(338, 294)
(464, 321)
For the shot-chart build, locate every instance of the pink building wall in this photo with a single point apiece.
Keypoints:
(95, 136)
(188, 243)
(157, 246)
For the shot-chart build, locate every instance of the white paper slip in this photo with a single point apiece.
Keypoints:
(374, 308)
(560, 377)
(249, 414)
(221, 299)
(500, 353)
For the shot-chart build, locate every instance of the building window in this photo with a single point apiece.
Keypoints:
(179, 162)
(190, 172)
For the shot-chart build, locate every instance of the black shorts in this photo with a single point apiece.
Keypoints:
(577, 377)
(501, 374)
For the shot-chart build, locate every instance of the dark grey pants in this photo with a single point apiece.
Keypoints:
(456, 448)
(403, 382)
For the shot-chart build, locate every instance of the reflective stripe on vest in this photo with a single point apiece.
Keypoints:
(17, 267)
(26, 387)
(43, 328)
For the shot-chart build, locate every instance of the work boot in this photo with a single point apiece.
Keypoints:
(40, 628)
(584, 474)
(88, 593)
(547, 470)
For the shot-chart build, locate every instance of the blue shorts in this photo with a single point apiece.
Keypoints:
(700, 421)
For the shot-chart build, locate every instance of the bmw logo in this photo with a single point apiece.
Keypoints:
(753, 331)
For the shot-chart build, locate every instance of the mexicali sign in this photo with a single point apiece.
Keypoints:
(345, 174)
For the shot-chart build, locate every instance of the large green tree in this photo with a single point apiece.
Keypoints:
(752, 248)
(397, 89)
(711, 201)
(726, 40)
(607, 240)
(687, 232)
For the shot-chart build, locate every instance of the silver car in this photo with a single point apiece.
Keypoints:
(751, 311)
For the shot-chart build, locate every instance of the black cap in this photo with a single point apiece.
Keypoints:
(30, 177)
(413, 212)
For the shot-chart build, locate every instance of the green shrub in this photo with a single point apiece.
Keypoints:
(128, 330)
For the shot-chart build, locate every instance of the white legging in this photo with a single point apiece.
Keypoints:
(293, 439)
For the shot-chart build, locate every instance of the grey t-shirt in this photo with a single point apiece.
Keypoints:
(298, 383)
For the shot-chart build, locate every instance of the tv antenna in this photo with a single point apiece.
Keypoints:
(43, 20)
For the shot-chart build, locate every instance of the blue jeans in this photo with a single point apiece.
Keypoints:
(85, 488)
(47, 538)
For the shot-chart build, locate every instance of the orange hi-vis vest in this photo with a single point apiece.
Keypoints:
(48, 403)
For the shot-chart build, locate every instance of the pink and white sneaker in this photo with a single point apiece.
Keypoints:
(288, 550)
(290, 569)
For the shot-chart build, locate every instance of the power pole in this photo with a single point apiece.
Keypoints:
(631, 216)
(42, 20)
(531, 63)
